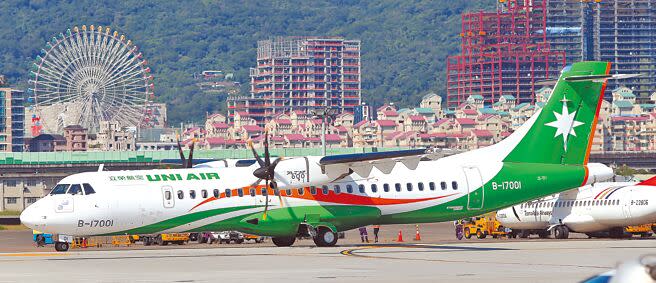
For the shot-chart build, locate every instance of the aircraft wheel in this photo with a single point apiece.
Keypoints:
(524, 234)
(283, 241)
(616, 233)
(467, 234)
(561, 232)
(325, 237)
(543, 234)
(61, 246)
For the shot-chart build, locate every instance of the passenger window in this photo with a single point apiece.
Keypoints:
(192, 194)
(443, 185)
(265, 192)
(88, 189)
(252, 192)
(454, 185)
(409, 187)
(325, 189)
(289, 192)
(228, 193)
(301, 191)
(361, 188)
(240, 192)
(386, 187)
(313, 190)
(203, 193)
(75, 189)
(59, 189)
(374, 188)
(349, 189)
(420, 186)
(180, 195)
(337, 189)
(276, 192)
(397, 186)
(167, 195)
(431, 185)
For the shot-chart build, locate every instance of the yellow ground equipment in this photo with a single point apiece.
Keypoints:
(121, 240)
(644, 230)
(483, 226)
(172, 238)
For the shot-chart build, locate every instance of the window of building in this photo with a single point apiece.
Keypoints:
(408, 186)
(216, 193)
(454, 185)
(443, 185)
(11, 183)
(361, 188)
(59, 189)
(349, 189)
(12, 200)
(203, 193)
(88, 189)
(192, 194)
(337, 189)
(31, 200)
(325, 189)
(31, 183)
(420, 186)
(374, 188)
(180, 195)
(397, 187)
(431, 186)
(386, 187)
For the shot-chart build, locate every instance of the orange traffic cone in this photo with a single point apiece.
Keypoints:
(417, 235)
(400, 238)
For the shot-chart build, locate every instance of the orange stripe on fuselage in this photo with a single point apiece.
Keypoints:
(341, 198)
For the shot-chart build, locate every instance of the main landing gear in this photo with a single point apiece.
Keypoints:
(325, 237)
(62, 246)
(322, 236)
(561, 232)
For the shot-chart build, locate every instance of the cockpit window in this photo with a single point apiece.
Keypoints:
(59, 189)
(75, 189)
(88, 189)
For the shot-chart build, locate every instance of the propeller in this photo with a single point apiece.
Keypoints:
(186, 163)
(266, 172)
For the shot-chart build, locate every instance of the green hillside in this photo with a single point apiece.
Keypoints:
(404, 43)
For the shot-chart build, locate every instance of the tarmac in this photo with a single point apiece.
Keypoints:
(428, 260)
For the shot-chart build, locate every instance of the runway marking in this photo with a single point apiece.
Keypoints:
(353, 252)
(32, 254)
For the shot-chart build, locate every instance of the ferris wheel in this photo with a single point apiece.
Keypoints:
(89, 75)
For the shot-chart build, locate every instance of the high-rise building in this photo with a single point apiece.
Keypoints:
(301, 73)
(503, 53)
(12, 120)
(622, 32)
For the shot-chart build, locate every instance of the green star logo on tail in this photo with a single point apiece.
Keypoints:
(564, 123)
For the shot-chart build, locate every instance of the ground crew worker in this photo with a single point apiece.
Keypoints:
(376, 229)
(363, 234)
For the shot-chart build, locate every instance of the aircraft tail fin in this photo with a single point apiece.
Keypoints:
(562, 132)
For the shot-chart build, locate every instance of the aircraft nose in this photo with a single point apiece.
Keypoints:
(31, 217)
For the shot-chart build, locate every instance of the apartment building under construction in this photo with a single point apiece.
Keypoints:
(301, 73)
(504, 52)
(622, 32)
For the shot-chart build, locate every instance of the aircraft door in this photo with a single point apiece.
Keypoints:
(476, 192)
(167, 196)
(626, 205)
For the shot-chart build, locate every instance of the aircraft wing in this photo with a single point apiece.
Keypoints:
(362, 163)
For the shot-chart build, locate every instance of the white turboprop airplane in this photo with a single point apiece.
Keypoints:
(602, 207)
(321, 195)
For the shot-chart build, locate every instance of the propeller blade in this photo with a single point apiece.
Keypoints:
(275, 186)
(190, 161)
(267, 157)
(182, 157)
(256, 183)
(266, 201)
(257, 157)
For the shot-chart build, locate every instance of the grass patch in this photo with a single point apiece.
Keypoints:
(9, 213)
(14, 227)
